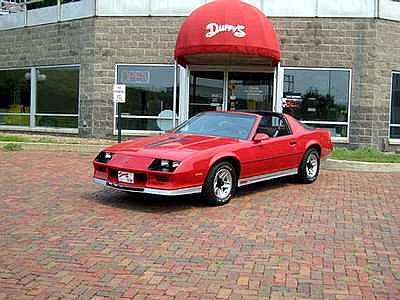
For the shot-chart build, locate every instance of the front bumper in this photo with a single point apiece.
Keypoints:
(144, 190)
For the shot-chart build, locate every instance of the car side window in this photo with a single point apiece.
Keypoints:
(273, 126)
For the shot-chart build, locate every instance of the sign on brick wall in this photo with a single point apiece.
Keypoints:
(119, 93)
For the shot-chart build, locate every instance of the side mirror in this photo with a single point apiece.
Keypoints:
(260, 137)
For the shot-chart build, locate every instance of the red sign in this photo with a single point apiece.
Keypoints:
(138, 77)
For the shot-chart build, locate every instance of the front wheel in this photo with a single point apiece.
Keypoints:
(220, 184)
(309, 168)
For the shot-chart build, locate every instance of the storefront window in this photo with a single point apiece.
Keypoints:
(57, 97)
(319, 98)
(395, 107)
(15, 97)
(149, 97)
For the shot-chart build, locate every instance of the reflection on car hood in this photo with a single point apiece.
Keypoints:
(170, 146)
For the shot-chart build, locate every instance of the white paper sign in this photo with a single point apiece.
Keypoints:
(119, 93)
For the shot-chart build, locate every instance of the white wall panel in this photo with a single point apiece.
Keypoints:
(346, 8)
(173, 7)
(77, 10)
(390, 10)
(43, 15)
(123, 7)
(290, 8)
(256, 3)
(13, 20)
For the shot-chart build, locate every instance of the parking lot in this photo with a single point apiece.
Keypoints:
(62, 237)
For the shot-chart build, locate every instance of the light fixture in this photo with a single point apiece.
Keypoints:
(39, 77)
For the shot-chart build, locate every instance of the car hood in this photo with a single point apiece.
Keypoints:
(170, 146)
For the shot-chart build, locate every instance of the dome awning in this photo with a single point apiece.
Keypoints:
(226, 32)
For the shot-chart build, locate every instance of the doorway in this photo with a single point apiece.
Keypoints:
(230, 90)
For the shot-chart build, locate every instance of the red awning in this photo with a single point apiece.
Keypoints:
(227, 27)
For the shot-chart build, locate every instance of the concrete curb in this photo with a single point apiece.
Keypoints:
(330, 164)
(358, 166)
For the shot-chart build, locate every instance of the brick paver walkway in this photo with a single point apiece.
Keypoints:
(62, 237)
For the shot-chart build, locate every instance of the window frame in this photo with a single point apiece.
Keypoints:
(344, 140)
(147, 117)
(33, 102)
(392, 140)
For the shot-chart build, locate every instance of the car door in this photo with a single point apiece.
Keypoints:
(276, 154)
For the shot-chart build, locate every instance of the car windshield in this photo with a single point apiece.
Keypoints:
(236, 126)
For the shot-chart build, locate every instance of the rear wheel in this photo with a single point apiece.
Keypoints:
(309, 168)
(220, 184)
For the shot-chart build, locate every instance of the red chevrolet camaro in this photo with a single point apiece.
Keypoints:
(214, 153)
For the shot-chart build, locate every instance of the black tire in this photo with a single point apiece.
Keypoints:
(211, 193)
(307, 172)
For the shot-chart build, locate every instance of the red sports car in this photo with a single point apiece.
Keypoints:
(213, 153)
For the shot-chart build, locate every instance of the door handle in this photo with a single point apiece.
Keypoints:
(292, 142)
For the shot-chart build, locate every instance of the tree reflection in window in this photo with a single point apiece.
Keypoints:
(319, 107)
(319, 97)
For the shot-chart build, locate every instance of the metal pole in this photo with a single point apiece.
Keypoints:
(378, 8)
(174, 99)
(59, 10)
(119, 123)
(32, 120)
(150, 7)
(26, 13)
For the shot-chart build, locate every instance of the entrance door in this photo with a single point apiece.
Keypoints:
(206, 92)
(251, 91)
(219, 90)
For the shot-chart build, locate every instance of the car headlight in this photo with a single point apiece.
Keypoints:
(104, 157)
(164, 165)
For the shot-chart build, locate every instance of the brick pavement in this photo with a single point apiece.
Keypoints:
(63, 238)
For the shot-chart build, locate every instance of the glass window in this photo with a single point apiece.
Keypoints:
(57, 94)
(336, 130)
(146, 124)
(40, 4)
(206, 91)
(253, 91)
(149, 93)
(57, 121)
(273, 126)
(57, 97)
(318, 97)
(221, 124)
(57, 90)
(395, 132)
(14, 120)
(395, 107)
(15, 97)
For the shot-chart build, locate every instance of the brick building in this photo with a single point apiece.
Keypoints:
(339, 68)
